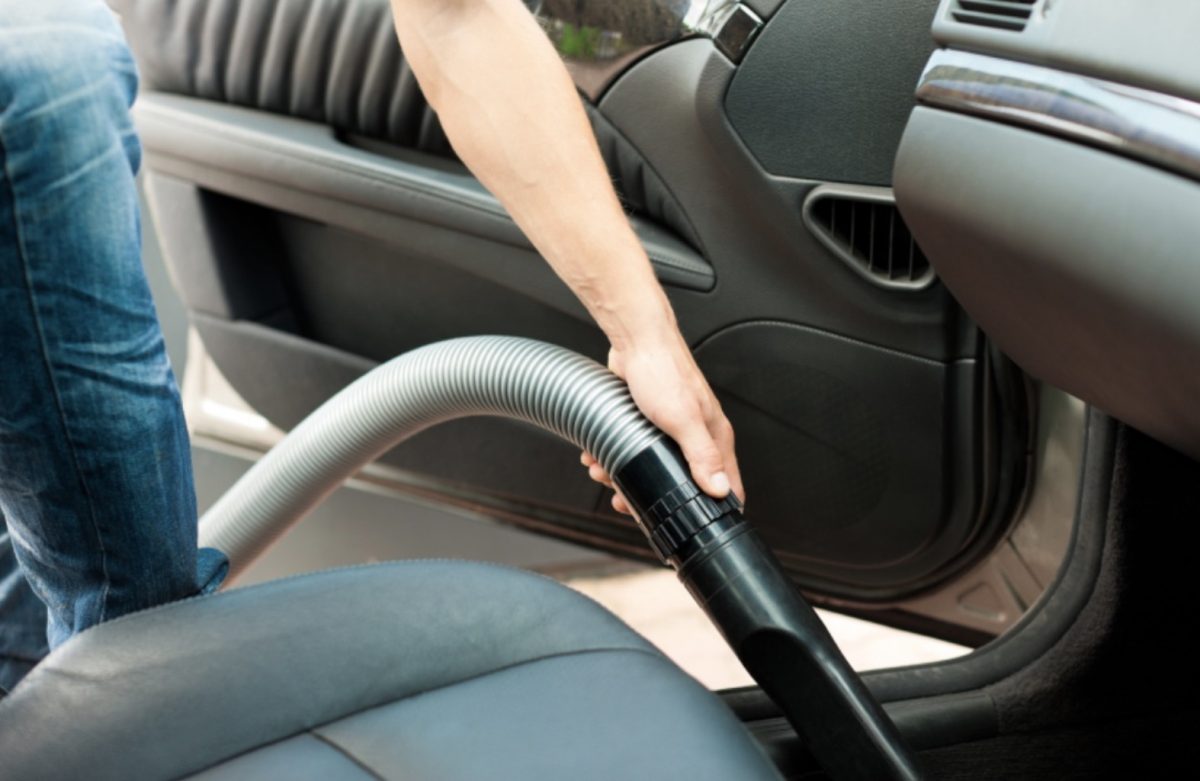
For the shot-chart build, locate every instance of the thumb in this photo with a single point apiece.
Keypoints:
(704, 459)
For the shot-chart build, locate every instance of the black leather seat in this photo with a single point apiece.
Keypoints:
(419, 670)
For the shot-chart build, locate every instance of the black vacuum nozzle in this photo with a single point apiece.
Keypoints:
(775, 633)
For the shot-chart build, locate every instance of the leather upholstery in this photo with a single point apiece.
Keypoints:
(411, 670)
(332, 61)
(639, 186)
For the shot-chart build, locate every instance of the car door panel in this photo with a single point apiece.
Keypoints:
(316, 223)
(254, 270)
(830, 353)
(302, 168)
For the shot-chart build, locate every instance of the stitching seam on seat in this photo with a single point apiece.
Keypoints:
(649, 652)
(652, 654)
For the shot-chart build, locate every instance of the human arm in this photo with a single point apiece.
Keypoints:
(511, 112)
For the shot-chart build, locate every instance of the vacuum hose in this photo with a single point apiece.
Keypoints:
(727, 568)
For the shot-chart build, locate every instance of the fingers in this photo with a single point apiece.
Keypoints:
(709, 450)
(706, 438)
(704, 457)
(722, 432)
(595, 470)
(597, 473)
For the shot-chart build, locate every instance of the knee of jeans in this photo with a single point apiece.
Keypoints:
(65, 69)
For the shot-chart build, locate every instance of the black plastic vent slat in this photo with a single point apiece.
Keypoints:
(997, 14)
(1014, 8)
(872, 235)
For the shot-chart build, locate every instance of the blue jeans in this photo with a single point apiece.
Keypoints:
(97, 507)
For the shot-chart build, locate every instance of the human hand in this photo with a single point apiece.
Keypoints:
(667, 386)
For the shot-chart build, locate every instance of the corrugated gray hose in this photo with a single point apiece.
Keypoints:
(548, 386)
(725, 565)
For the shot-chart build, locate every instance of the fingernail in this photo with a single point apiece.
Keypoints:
(720, 483)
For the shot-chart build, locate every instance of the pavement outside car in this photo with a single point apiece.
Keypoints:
(656, 604)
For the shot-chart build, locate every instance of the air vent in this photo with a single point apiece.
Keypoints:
(863, 227)
(997, 14)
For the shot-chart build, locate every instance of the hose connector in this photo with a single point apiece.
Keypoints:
(675, 515)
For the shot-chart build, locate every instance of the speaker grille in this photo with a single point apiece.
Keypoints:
(867, 232)
(997, 14)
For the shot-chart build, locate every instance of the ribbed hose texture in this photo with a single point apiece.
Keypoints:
(551, 387)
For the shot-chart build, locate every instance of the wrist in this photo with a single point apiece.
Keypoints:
(617, 285)
(641, 317)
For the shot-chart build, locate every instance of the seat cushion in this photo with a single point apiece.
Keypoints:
(419, 670)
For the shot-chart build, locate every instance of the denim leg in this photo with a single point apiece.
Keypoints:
(95, 467)
(22, 618)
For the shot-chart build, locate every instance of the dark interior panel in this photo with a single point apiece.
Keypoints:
(374, 300)
(825, 90)
(851, 446)
(307, 169)
(767, 262)
(310, 246)
(847, 446)
(339, 67)
(224, 254)
(292, 310)
(286, 377)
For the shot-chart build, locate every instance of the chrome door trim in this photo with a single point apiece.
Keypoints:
(1142, 124)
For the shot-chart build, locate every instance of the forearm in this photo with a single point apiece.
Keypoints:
(513, 116)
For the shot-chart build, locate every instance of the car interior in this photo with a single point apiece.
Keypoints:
(934, 258)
